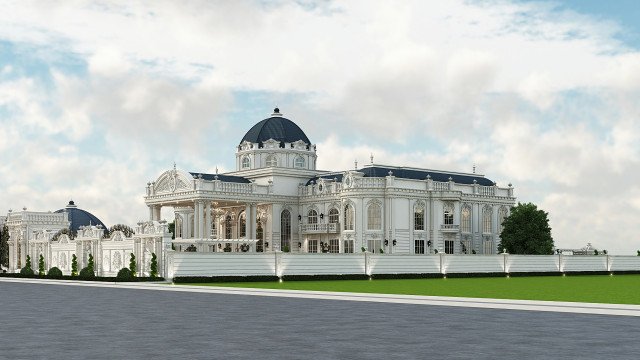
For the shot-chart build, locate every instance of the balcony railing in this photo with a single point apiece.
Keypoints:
(449, 227)
(330, 228)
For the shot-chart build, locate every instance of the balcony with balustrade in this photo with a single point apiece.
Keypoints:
(330, 228)
(449, 228)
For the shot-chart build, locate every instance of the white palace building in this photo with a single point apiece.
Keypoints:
(277, 201)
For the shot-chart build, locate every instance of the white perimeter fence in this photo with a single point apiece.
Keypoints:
(181, 264)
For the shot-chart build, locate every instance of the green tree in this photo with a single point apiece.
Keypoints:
(126, 230)
(526, 231)
(4, 246)
(74, 265)
(638, 252)
(27, 270)
(596, 252)
(154, 266)
(132, 265)
(41, 265)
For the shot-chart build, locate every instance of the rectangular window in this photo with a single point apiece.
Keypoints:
(488, 247)
(419, 246)
(348, 246)
(313, 246)
(448, 246)
(334, 246)
(466, 246)
(374, 246)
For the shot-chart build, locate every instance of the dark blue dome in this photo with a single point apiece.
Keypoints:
(79, 217)
(276, 127)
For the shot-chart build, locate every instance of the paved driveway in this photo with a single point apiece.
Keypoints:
(70, 322)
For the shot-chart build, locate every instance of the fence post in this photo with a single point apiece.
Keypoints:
(608, 263)
(505, 260)
(560, 269)
(277, 259)
(168, 264)
(442, 263)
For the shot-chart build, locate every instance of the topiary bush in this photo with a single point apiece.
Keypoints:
(132, 265)
(54, 273)
(124, 275)
(41, 265)
(74, 265)
(87, 274)
(27, 270)
(154, 266)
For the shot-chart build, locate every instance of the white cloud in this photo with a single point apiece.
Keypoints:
(415, 83)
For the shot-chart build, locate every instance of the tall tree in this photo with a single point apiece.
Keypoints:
(526, 231)
(4, 246)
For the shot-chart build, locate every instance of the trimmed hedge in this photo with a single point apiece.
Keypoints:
(54, 273)
(207, 279)
(124, 275)
(87, 274)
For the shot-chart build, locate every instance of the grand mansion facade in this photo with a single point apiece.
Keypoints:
(277, 200)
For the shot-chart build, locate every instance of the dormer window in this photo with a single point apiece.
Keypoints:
(299, 162)
(246, 163)
(272, 161)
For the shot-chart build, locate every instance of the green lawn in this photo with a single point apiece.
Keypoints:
(618, 289)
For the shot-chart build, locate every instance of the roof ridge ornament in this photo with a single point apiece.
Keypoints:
(276, 112)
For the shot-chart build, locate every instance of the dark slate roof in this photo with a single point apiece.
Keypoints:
(415, 174)
(277, 128)
(79, 217)
(225, 178)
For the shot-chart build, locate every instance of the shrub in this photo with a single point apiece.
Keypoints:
(381, 251)
(132, 265)
(595, 252)
(604, 252)
(363, 249)
(27, 270)
(55, 273)
(154, 266)
(286, 248)
(90, 265)
(435, 251)
(638, 253)
(124, 275)
(87, 274)
(74, 265)
(41, 265)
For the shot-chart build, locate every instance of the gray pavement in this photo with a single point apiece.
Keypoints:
(70, 322)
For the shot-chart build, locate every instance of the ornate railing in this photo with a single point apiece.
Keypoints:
(330, 228)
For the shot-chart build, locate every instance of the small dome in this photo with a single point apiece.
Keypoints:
(276, 127)
(79, 217)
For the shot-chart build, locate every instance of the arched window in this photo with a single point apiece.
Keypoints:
(299, 162)
(272, 161)
(334, 216)
(448, 214)
(227, 227)
(465, 221)
(242, 223)
(502, 214)
(349, 217)
(246, 163)
(285, 230)
(486, 221)
(374, 217)
(418, 219)
(312, 217)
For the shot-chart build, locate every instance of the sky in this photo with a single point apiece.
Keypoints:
(98, 98)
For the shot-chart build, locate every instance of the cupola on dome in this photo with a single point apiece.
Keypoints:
(275, 127)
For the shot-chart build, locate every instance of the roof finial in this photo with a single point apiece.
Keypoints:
(371, 158)
(356, 164)
(474, 168)
(276, 112)
(216, 170)
(174, 166)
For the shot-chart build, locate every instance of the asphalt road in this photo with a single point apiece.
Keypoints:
(70, 322)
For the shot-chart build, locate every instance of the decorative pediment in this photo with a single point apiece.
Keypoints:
(118, 236)
(63, 239)
(246, 145)
(299, 145)
(271, 144)
(172, 181)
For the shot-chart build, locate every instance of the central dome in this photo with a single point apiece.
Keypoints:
(276, 127)
(79, 217)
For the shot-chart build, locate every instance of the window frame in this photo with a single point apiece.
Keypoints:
(374, 216)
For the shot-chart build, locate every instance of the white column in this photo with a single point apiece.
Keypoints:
(254, 226)
(151, 212)
(247, 223)
(207, 216)
(156, 212)
(197, 216)
(201, 232)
